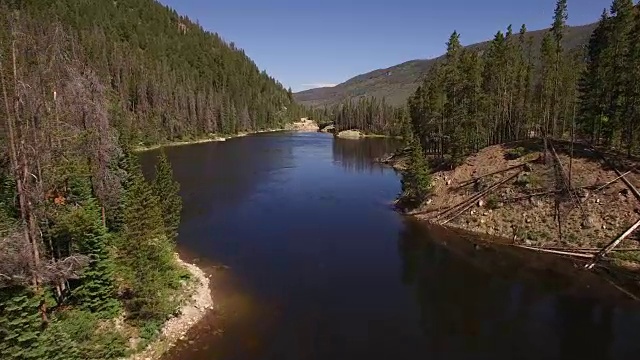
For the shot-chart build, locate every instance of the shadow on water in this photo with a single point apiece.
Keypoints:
(479, 303)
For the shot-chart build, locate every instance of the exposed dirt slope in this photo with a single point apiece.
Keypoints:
(508, 212)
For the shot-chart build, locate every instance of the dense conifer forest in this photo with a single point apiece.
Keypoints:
(87, 242)
(513, 91)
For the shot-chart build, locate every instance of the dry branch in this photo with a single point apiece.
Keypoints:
(624, 179)
(566, 181)
(612, 245)
(614, 180)
(469, 182)
(17, 269)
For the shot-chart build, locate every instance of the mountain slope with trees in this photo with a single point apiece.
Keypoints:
(397, 83)
(87, 245)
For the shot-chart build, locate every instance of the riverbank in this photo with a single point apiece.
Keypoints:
(212, 138)
(509, 192)
(198, 302)
(355, 134)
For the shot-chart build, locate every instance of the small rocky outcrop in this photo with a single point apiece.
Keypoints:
(329, 129)
(350, 134)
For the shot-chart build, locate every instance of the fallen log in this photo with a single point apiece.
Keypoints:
(614, 180)
(624, 179)
(557, 252)
(612, 245)
(471, 199)
(482, 194)
(469, 182)
(589, 250)
(542, 193)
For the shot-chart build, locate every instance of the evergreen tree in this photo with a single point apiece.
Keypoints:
(144, 251)
(82, 227)
(594, 95)
(168, 191)
(20, 324)
(416, 180)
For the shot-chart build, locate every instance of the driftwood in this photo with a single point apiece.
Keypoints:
(612, 245)
(557, 252)
(480, 195)
(469, 182)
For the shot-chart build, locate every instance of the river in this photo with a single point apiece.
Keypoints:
(318, 265)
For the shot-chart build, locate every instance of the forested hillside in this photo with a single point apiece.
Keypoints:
(398, 82)
(165, 75)
(513, 63)
(87, 244)
(474, 99)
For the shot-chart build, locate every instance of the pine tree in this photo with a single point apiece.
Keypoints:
(416, 179)
(594, 95)
(557, 30)
(82, 227)
(633, 81)
(168, 191)
(145, 251)
(618, 52)
(19, 324)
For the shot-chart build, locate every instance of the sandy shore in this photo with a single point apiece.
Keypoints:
(192, 311)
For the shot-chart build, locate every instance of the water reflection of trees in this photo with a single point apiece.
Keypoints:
(218, 174)
(358, 155)
(473, 305)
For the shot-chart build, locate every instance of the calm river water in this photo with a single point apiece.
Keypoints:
(317, 265)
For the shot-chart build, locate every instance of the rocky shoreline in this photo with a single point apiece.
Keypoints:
(193, 310)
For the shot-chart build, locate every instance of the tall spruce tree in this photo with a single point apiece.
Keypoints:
(145, 251)
(168, 192)
(416, 179)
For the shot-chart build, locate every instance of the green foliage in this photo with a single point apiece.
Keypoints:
(416, 179)
(168, 191)
(493, 202)
(19, 324)
(515, 153)
(609, 84)
(81, 227)
(368, 114)
(145, 253)
(93, 338)
(474, 98)
(161, 67)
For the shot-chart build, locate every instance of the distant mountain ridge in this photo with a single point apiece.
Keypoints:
(396, 83)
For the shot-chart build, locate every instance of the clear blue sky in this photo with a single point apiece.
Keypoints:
(306, 43)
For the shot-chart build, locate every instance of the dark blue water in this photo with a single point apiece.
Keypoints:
(321, 267)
